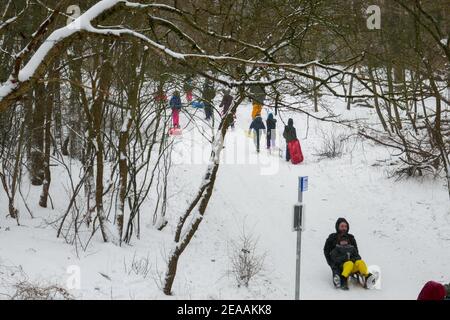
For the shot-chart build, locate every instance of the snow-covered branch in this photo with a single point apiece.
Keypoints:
(4, 24)
(20, 79)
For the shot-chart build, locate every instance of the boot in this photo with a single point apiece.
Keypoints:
(337, 281)
(344, 283)
(370, 281)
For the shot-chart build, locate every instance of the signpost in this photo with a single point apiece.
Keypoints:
(299, 226)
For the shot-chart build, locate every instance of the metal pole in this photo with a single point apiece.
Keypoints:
(299, 246)
(297, 274)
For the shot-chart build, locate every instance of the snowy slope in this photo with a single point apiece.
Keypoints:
(404, 227)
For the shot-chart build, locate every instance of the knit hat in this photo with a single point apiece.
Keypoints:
(432, 291)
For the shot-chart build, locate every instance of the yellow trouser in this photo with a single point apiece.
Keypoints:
(256, 110)
(351, 268)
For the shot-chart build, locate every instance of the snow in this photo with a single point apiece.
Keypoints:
(6, 88)
(7, 22)
(399, 225)
(81, 23)
(126, 122)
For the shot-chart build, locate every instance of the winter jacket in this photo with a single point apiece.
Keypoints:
(257, 124)
(332, 240)
(175, 102)
(208, 92)
(188, 86)
(341, 254)
(226, 102)
(289, 133)
(271, 122)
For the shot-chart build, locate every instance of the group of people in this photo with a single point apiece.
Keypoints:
(257, 125)
(208, 94)
(258, 96)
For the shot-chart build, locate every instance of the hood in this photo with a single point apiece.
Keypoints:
(338, 222)
(290, 122)
(270, 117)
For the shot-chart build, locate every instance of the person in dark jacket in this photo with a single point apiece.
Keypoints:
(271, 123)
(290, 134)
(175, 105)
(345, 258)
(342, 227)
(208, 94)
(188, 87)
(257, 125)
(226, 103)
(160, 95)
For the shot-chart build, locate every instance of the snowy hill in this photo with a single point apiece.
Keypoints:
(401, 226)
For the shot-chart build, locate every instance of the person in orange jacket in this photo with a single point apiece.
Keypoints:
(258, 95)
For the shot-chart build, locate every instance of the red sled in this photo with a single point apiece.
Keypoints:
(295, 151)
(175, 131)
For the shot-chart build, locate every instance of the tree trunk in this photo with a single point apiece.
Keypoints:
(124, 134)
(315, 93)
(97, 114)
(48, 142)
(391, 89)
(37, 136)
(377, 105)
(350, 90)
(437, 129)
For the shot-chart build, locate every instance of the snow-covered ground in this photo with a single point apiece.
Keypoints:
(401, 226)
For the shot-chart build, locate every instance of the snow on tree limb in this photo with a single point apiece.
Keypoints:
(6, 23)
(19, 81)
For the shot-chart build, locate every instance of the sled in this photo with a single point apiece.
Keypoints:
(295, 151)
(197, 104)
(175, 132)
(375, 282)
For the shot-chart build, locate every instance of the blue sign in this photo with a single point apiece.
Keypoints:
(303, 183)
